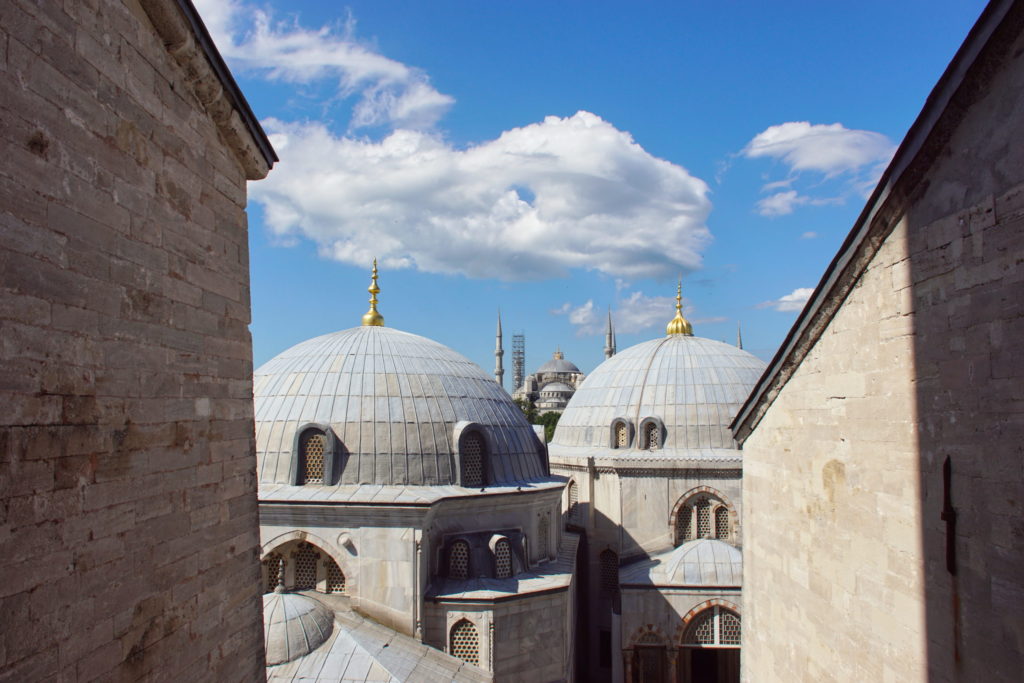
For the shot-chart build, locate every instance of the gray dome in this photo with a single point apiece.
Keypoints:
(393, 401)
(558, 364)
(294, 626)
(704, 562)
(557, 386)
(693, 385)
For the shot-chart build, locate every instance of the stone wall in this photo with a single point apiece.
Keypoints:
(128, 527)
(851, 569)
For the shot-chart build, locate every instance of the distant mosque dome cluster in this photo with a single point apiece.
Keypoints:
(409, 512)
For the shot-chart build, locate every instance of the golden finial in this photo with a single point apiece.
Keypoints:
(372, 318)
(679, 324)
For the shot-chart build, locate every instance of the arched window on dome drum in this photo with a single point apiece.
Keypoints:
(471, 452)
(305, 559)
(335, 577)
(714, 627)
(621, 435)
(652, 436)
(312, 448)
(721, 523)
(458, 561)
(464, 642)
(273, 568)
(502, 559)
(609, 572)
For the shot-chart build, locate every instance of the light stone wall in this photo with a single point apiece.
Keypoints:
(128, 529)
(845, 574)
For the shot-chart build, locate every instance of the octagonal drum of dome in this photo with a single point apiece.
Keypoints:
(694, 386)
(393, 401)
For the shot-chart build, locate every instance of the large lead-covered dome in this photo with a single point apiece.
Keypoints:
(395, 409)
(688, 388)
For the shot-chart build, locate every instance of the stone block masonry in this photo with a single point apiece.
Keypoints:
(128, 523)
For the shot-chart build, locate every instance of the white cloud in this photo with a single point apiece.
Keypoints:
(794, 301)
(389, 92)
(809, 235)
(780, 203)
(564, 193)
(634, 313)
(848, 161)
(826, 148)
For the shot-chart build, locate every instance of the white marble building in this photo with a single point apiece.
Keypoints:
(399, 483)
(654, 490)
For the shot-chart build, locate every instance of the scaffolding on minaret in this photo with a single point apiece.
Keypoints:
(518, 360)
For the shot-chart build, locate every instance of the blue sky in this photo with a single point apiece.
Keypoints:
(555, 159)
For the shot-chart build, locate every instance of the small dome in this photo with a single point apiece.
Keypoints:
(557, 386)
(704, 562)
(392, 400)
(294, 625)
(558, 363)
(693, 385)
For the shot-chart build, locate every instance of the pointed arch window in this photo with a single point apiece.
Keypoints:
(312, 449)
(305, 558)
(702, 515)
(714, 627)
(464, 642)
(458, 561)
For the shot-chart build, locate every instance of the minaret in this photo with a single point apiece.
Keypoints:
(739, 337)
(372, 318)
(499, 371)
(609, 337)
(679, 324)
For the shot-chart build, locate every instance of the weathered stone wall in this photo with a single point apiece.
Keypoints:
(845, 563)
(128, 527)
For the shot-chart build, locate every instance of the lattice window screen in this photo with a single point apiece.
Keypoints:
(721, 522)
(543, 535)
(684, 521)
(305, 567)
(502, 560)
(729, 628)
(653, 436)
(335, 577)
(274, 565)
(702, 630)
(314, 443)
(574, 502)
(703, 519)
(621, 436)
(458, 561)
(609, 572)
(472, 454)
(465, 643)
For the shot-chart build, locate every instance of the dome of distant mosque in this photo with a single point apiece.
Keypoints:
(558, 364)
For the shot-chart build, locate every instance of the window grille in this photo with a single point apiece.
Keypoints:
(609, 572)
(684, 531)
(313, 445)
(305, 567)
(273, 565)
(714, 627)
(721, 522)
(472, 452)
(703, 518)
(574, 502)
(652, 436)
(465, 643)
(335, 577)
(543, 533)
(502, 559)
(458, 561)
(621, 436)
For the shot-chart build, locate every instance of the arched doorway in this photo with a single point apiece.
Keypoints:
(710, 651)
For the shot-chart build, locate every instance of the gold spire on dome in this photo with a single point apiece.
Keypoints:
(679, 324)
(372, 318)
